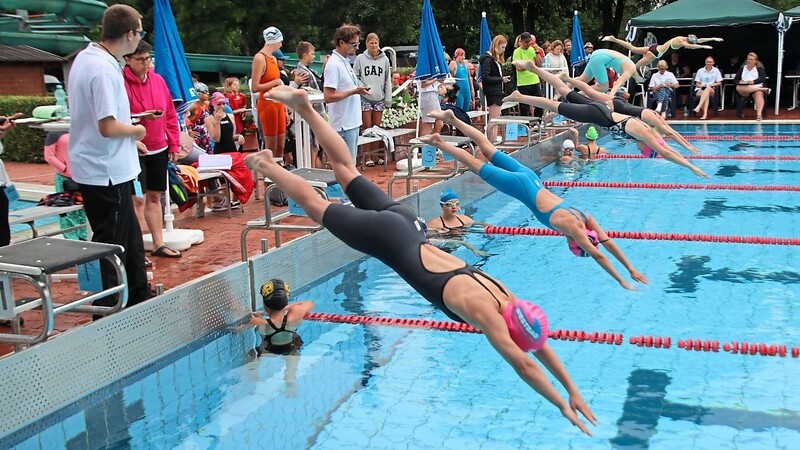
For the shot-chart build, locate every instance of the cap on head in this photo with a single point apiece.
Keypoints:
(591, 133)
(279, 55)
(568, 144)
(588, 45)
(200, 88)
(458, 52)
(275, 293)
(577, 250)
(447, 195)
(272, 35)
(527, 325)
(218, 99)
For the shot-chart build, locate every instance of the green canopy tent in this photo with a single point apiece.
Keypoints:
(714, 13)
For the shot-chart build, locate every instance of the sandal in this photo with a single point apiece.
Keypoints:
(147, 262)
(370, 163)
(164, 251)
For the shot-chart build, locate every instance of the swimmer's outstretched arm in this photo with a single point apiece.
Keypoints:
(466, 244)
(612, 248)
(602, 260)
(496, 331)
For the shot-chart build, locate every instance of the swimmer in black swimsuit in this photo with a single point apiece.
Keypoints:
(278, 327)
(450, 220)
(656, 51)
(601, 114)
(381, 227)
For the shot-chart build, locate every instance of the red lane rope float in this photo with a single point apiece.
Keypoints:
(595, 337)
(734, 137)
(710, 187)
(715, 157)
(716, 238)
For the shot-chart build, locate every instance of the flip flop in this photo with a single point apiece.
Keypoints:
(162, 251)
(147, 262)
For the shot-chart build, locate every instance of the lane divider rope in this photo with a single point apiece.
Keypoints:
(595, 337)
(739, 137)
(716, 238)
(711, 157)
(710, 187)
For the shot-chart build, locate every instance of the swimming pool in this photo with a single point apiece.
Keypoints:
(386, 387)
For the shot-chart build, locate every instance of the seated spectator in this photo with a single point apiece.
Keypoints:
(662, 86)
(590, 150)
(732, 66)
(56, 144)
(705, 82)
(450, 220)
(278, 325)
(750, 81)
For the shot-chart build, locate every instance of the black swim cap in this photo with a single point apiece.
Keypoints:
(275, 293)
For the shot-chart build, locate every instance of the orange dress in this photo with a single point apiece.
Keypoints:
(271, 115)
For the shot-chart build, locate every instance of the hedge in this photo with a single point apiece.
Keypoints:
(24, 144)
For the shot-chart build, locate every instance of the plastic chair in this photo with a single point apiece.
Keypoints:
(713, 102)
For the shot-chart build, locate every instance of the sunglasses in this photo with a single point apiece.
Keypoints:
(452, 203)
(355, 44)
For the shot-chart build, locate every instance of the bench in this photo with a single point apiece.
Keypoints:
(322, 180)
(426, 172)
(27, 216)
(383, 151)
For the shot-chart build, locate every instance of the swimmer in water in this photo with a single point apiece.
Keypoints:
(383, 228)
(278, 326)
(450, 220)
(508, 176)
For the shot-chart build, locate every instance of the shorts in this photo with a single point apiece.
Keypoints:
(153, 176)
(496, 100)
(367, 106)
(428, 102)
(271, 117)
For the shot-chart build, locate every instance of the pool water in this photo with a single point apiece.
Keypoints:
(379, 387)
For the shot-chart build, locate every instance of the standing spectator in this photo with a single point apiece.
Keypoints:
(706, 80)
(556, 59)
(342, 92)
(568, 49)
(284, 72)
(237, 101)
(460, 71)
(266, 75)
(103, 147)
(662, 85)
(6, 125)
(148, 92)
(309, 78)
(374, 71)
(56, 147)
(492, 77)
(527, 81)
(588, 48)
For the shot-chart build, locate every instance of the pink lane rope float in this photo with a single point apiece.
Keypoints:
(715, 157)
(734, 137)
(651, 236)
(595, 337)
(696, 186)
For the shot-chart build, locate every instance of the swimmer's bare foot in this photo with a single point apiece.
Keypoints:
(433, 139)
(257, 160)
(445, 115)
(608, 38)
(526, 64)
(515, 97)
(293, 98)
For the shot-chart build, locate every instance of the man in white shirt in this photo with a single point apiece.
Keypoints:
(662, 85)
(103, 146)
(341, 88)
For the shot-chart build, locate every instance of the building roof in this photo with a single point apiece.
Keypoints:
(26, 53)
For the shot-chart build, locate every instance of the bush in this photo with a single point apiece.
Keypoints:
(23, 144)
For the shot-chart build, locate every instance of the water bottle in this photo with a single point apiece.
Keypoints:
(685, 112)
(61, 101)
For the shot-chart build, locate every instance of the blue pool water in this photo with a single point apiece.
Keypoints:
(377, 387)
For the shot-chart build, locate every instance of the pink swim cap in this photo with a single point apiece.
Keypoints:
(577, 250)
(527, 325)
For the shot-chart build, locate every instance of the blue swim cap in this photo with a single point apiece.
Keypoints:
(448, 194)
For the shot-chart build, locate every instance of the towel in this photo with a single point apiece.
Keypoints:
(376, 131)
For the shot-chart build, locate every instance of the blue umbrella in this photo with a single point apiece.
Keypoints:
(578, 54)
(430, 59)
(170, 58)
(486, 39)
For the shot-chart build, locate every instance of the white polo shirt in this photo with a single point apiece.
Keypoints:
(344, 114)
(96, 91)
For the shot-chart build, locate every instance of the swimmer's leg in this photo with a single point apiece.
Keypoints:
(539, 102)
(462, 156)
(586, 89)
(627, 45)
(487, 148)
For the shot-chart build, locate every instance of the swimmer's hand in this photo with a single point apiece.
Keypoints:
(256, 319)
(638, 276)
(627, 286)
(577, 404)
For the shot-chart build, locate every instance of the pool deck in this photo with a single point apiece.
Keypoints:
(221, 245)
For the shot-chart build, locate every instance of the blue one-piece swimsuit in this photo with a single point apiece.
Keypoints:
(510, 177)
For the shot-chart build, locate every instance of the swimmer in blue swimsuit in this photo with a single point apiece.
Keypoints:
(510, 177)
(383, 228)
(656, 51)
(602, 59)
(601, 114)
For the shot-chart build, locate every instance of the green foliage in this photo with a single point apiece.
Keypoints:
(23, 143)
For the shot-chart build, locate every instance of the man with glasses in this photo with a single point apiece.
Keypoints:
(588, 47)
(341, 88)
(103, 146)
